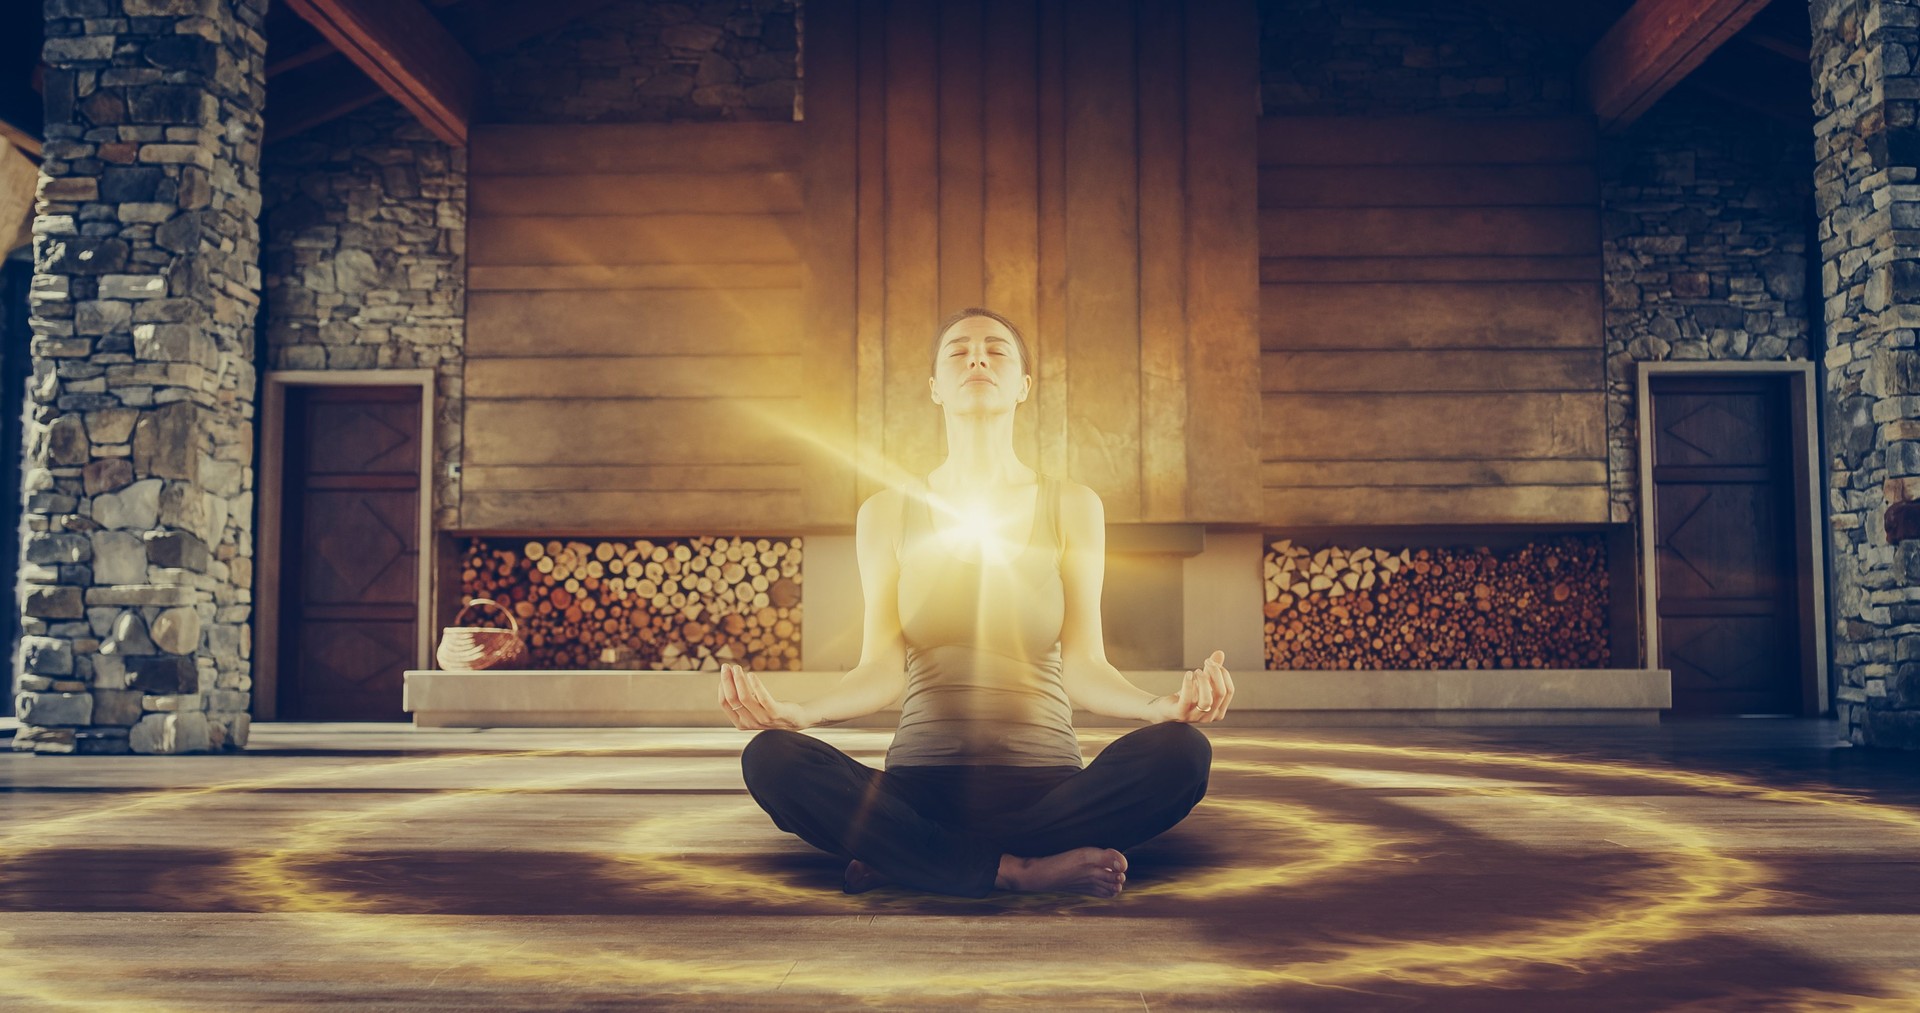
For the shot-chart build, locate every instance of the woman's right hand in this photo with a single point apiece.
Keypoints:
(751, 707)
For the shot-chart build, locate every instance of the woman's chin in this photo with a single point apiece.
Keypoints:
(982, 407)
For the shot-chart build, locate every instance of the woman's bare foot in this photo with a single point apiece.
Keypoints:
(1098, 872)
(861, 877)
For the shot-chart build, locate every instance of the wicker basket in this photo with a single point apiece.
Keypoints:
(474, 648)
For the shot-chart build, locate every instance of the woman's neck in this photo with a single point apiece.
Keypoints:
(980, 455)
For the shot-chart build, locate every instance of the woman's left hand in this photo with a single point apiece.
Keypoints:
(1204, 694)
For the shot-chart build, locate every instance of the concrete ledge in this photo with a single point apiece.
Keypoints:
(1454, 698)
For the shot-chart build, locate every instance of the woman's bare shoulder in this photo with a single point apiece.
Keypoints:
(1081, 510)
(883, 505)
(878, 521)
(1077, 494)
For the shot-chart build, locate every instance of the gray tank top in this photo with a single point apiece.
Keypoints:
(983, 648)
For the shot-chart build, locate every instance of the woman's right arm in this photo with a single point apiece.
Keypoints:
(881, 676)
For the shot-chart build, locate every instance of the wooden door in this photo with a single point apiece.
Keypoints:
(1726, 590)
(351, 532)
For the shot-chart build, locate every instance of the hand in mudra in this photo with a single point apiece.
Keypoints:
(751, 707)
(1204, 694)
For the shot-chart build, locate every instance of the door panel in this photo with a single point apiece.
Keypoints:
(1723, 544)
(350, 579)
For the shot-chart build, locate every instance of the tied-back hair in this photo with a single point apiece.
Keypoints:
(1019, 340)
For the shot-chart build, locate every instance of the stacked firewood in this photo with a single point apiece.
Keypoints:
(657, 603)
(1543, 605)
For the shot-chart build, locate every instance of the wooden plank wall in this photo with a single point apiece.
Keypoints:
(1088, 169)
(634, 328)
(1431, 332)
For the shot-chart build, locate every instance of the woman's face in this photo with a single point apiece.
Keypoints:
(978, 369)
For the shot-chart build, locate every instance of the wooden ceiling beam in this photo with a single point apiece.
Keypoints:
(1653, 46)
(1778, 45)
(326, 90)
(317, 93)
(1759, 79)
(300, 57)
(404, 50)
(19, 178)
(25, 140)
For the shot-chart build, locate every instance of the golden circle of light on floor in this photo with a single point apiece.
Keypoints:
(1686, 883)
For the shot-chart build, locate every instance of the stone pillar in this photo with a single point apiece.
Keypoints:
(137, 562)
(1867, 180)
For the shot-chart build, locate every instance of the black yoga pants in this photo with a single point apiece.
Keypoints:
(944, 828)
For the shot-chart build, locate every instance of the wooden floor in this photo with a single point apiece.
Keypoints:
(1703, 866)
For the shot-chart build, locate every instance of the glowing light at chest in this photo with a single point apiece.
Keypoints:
(973, 530)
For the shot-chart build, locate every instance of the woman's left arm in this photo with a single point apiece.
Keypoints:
(1091, 682)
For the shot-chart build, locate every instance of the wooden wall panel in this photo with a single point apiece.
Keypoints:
(1425, 140)
(679, 512)
(533, 432)
(1431, 231)
(1420, 472)
(1103, 255)
(634, 239)
(1435, 370)
(1050, 306)
(871, 412)
(1394, 314)
(617, 194)
(829, 366)
(1390, 426)
(1280, 270)
(1288, 186)
(1010, 203)
(653, 376)
(911, 260)
(634, 477)
(1224, 417)
(637, 316)
(643, 296)
(650, 321)
(1088, 168)
(962, 156)
(1163, 261)
(635, 149)
(1430, 322)
(1467, 504)
(598, 278)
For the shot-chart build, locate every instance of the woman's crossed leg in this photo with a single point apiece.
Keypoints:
(945, 830)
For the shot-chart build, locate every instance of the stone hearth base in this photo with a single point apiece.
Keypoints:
(599, 699)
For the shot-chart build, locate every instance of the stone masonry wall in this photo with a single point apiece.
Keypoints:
(1704, 236)
(635, 60)
(365, 254)
(137, 562)
(1373, 57)
(1867, 180)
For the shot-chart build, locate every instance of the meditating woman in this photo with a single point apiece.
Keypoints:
(982, 585)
